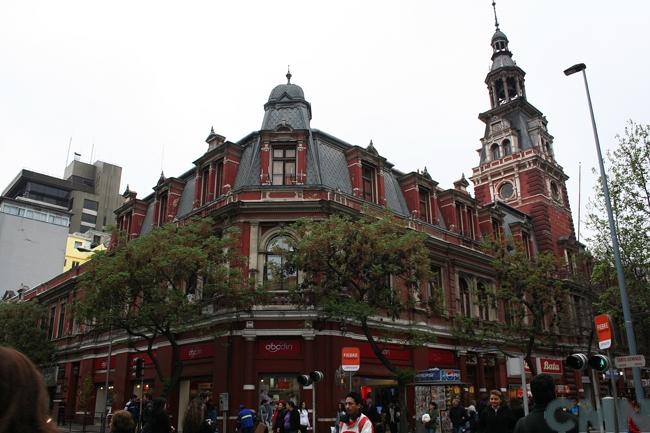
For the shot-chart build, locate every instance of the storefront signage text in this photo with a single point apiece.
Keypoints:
(551, 366)
(394, 353)
(279, 348)
(438, 375)
(197, 351)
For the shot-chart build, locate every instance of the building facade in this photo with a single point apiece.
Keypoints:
(288, 170)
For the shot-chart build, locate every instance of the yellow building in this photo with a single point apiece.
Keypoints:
(80, 247)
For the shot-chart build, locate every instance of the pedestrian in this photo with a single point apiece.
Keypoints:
(291, 421)
(370, 410)
(196, 418)
(431, 425)
(393, 416)
(340, 416)
(245, 419)
(497, 417)
(354, 421)
(133, 407)
(543, 389)
(23, 396)
(472, 419)
(158, 419)
(211, 412)
(122, 422)
(304, 417)
(457, 415)
(278, 417)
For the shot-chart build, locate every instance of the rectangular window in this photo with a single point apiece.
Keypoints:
(368, 183)
(425, 205)
(465, 297)
(483, 299)
(496, 229)
(205, 184)
(284, 166)
(459, 219)
(61, 320)
(50, 329)
(91, 204)
(162, 209)
(525, 240)
(218, 178)
(88, 218)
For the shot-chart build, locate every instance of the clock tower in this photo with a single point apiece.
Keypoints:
(517, 163)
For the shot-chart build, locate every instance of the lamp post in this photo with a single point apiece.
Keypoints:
(629, 330)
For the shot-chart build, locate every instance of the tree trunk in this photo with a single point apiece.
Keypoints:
(404, 419)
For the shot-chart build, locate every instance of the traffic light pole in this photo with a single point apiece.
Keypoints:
(313, 410)
(613, 381)
(596, 388)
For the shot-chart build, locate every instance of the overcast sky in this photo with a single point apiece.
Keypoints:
(145, 80)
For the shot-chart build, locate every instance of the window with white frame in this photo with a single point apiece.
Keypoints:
(277, 273)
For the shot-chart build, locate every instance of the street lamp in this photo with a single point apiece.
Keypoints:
(629, 330)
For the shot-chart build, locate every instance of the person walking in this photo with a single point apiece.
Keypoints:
(543, 389)
(291, 419)
(158, 419)
(196, 418)
(340, 416)
(245, 419)
(304, 417)
(431, 425)
(278, 417)
(457, 415)
(133, 407)
(23, 396)
(354, 421)
(497, 416)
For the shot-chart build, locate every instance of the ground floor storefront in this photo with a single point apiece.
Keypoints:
(261, 361)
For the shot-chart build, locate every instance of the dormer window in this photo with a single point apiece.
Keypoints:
(284, 166)
(496, 154)
(369, 183)
(162, 208)
(425, 205)
(507, 148)
(218, 178)
(205, 184)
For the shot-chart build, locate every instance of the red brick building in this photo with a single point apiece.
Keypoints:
(287, 170)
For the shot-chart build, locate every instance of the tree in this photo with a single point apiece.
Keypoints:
(534, 297)
(20, 329)
(157, 286)
(628, 178)
(353, 271)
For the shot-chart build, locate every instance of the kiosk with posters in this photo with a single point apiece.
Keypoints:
(440, 385)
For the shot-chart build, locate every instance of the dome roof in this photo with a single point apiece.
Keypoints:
(499, 36)
(290, 91)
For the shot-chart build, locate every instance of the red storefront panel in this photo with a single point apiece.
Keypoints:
(392, 352)
(551, 366)
(438, 357)
(100, 363)
(197, 351)
(279, 348)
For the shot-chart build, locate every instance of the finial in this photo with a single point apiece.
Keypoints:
(288, 75)
(496, 21)
(212, 130)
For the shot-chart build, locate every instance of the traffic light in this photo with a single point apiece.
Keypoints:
(308, 379)
(577, 361)
(138, 368)
(599, 362)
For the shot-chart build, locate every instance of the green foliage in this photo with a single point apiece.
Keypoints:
(158, 285)
(534, 297)
(86, 392)
(19, 328)
(628, 176)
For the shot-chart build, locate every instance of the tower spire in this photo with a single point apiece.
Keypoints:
(288, 75)
(496, 21)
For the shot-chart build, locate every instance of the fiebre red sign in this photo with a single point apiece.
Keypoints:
(197, 351)
(279, 348)
(551, 366)
(440, 358)
(350, 359)
(604, 331)
(394, 353)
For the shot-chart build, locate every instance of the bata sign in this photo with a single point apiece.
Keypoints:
(551, 366)
(279, 348)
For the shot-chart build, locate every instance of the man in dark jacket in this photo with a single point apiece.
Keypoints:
(497, 417)
(457, 415)
(543, 390)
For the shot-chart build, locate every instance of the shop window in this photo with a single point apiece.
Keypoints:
(425, 204)
(369, 183)
(280, 386)
(284, 166)
(276, 271)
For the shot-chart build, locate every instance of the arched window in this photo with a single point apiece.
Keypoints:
(555, 191)
(495, 152)
(507, 148)
(276, 270)
(465, 304)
